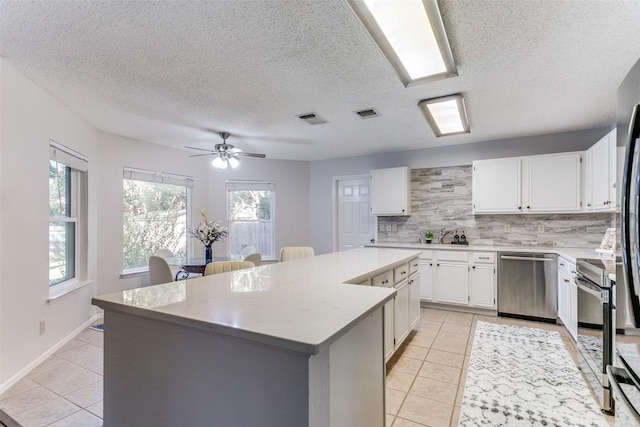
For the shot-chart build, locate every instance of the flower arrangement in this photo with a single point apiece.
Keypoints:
(208, 232)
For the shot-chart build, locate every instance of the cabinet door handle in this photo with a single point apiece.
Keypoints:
(528, 207)
(520, 207)
(562, 264)
(473, 266)
(385, 281)
(589, 204)
(566, 280)
(437, 265)
(431, 264)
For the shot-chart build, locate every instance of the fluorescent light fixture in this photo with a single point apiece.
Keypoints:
(411, 35)
(447, 115)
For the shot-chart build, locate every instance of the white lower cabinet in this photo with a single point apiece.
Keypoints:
(483, 286)
(414, 300)
(459, 277)
(568, 296)
(426, 279)
(389, 329)
(401, 312)
(452, 282)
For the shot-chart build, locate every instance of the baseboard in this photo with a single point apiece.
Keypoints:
(24, 371)
(460, 308)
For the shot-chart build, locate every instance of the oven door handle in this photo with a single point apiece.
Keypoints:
(526, 258)
(588, 290)
(613, 374)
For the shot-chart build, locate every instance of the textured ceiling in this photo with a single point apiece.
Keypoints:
(175, 73)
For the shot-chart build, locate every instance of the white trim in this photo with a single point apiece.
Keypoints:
(24, 371)
(134, 272)
(60, 290)
(157, 177)
(335, 180)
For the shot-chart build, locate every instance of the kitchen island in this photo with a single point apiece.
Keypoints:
(287, 344)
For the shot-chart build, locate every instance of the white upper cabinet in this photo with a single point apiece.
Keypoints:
(497, 186)
(600, 189)
(552, 183)
(391, 192)
(531, 184)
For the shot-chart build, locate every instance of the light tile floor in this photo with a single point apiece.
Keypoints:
(425, 378)
(64, 390)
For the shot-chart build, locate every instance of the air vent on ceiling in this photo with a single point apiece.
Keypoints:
(367, 113)
(312, 118)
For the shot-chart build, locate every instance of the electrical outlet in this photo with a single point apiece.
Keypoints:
(42, 327)
(540, 228)
(388, 227)
(507, 228)
(380, 227)
(394, 227)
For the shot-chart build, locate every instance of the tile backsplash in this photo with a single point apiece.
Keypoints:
(441, 198)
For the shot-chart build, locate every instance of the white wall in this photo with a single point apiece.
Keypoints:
(30, 117)
(115, 153)
(292, 197)
(321, 172)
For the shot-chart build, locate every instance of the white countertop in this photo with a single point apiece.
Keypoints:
(570, 254)
(302, 305)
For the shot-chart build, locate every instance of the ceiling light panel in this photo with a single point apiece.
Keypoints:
(411, 35)
(446, 115)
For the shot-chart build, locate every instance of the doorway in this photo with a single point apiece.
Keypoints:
(353, 223)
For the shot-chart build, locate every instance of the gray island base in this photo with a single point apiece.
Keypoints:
(289, 344)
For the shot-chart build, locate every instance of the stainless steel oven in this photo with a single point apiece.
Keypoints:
(596, 325)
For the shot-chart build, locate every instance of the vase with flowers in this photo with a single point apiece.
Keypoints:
(208, 232)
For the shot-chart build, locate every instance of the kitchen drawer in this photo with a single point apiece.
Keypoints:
(400, 273)
(414, 266)
(484, 257)
(426, 255)
(453, 256)
(385, 279)
(566, 267)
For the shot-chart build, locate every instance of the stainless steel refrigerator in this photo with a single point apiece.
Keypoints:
(624, 375)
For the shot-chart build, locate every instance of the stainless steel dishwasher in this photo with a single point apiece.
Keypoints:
(528, 285)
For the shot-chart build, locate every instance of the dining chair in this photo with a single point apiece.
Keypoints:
(159, 270)
(165, 253)
(255, 258)
(289, 253)
(226, 266)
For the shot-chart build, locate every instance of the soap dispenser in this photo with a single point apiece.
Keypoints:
(463, 239)
(456, 238)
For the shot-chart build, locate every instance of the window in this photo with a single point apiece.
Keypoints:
(155, 216)
(251, 218)
(67, 213)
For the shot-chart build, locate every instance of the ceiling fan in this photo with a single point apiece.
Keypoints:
(225, 154)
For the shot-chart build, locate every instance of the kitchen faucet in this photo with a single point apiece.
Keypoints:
(442, 234)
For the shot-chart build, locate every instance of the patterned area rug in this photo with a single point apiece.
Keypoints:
(524, 377)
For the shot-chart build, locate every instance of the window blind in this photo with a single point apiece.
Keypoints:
(157, 177)
(250, 185)
(67, 156)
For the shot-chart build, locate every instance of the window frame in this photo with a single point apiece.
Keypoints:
(155, 177)
(76, 166)
(256, 185)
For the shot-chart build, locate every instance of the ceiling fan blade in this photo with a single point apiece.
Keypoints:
(261, 156)
(200, 155)
(201, 149)
(234, 150)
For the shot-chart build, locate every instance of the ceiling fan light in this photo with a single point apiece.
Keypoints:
(219, 163)
(233, 162)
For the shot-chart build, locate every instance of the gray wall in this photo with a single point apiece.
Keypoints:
(322, 172)
(441, 198)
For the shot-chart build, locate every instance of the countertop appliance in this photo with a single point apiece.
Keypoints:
(596, 324)
(625, 377)
(528, 285)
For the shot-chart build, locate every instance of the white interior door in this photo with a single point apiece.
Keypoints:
(355, 223)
